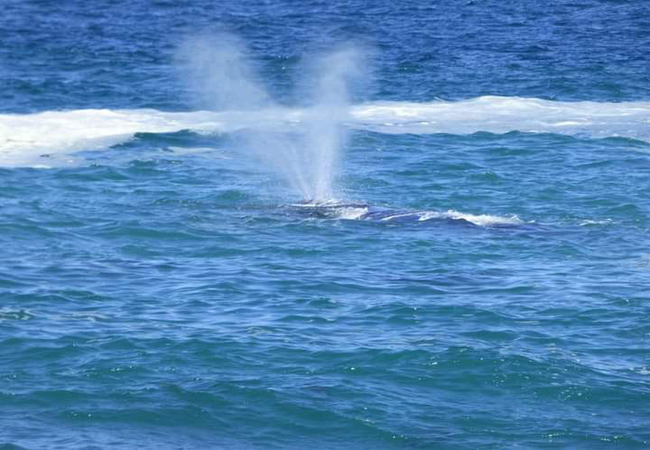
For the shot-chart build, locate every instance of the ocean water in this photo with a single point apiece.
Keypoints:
(280, 224)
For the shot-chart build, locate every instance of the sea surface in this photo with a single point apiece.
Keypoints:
(476, 274)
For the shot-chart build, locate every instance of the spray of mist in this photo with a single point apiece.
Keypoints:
(218, 72)
(306, 155)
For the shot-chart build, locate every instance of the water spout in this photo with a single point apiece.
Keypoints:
(306, 156)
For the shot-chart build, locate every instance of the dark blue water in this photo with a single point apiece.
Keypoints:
(482, 282)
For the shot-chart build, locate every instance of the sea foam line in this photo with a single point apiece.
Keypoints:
(25, 137)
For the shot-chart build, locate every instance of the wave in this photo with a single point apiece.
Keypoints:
(505, 114)
(24, 138)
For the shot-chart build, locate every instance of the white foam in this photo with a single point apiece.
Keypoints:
(504, 114)
(351, 213)
(25, 137)
(401, 216)
(482, 220)
(588, 222)
(336, 210)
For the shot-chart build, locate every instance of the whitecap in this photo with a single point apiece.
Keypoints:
(496, 114)
(589, 222)
(25, 137)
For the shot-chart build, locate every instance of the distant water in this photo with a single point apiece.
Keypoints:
(481, 281)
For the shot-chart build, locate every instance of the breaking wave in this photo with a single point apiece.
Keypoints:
(24, 138)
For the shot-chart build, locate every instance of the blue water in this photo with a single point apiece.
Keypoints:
(482, 282)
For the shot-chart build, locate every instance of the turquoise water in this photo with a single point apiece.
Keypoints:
(481, 280)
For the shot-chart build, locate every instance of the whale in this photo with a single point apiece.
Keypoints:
(365, 212)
